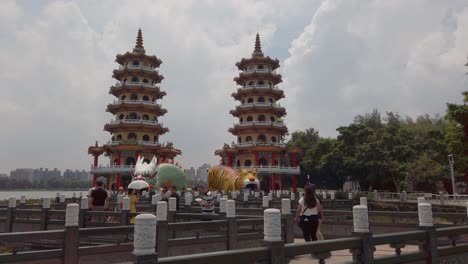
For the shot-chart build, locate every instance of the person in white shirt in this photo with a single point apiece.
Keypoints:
(307, 214)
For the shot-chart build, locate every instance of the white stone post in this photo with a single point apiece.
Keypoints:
(188, 199)
(332, 195)
(363, 201)
(360, 219)
(74, 195)
(278, 194)
(350, 196)
(179, 193)
(285, 206)
(172, 204)
(403, 196)
(126, 203)
(161, 211)
(62, 198)
(23, 199)
(145, 235)
(272, 225)
(222, 205)
(265, 201)
(46, 203)
(196, 194)
(293, 196)
(324, 195)
(154, 199)
(12, 202)
(256, 194)
(376, 195)
(421, 200)
(218, 197)
(425, 214)
(246, 197)
(71, 215)
(270, 196)
(84, 203)
(230, 208)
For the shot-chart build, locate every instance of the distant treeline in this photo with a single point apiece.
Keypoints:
(53, 183)
(386, 152)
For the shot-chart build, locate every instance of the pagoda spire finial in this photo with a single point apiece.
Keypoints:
(258, 47)
(139, 42)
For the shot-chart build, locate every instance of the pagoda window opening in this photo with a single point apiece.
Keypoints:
(136, 63)
(270, 84)
(249, 119)
(146, 138)
(243, 101)
(261, 99)
(270, 100)
(260, 67)
(261, 138)
(261, 118)
(238, 163)
(119, 137)
(124, 80)
(133, 97)
(123, 97)
(132, 116)
(155, 138)
(261, 83)
(273, 139)
(145, 98)
(134, 79)
(262, 162)
(131, 136)
(241, 119)
(247, 163)
(251, 83)
(239, 140)
(145, 117)
(248, 139)
(250, 100)
(275, 163)
(145, 81)
(121, 116)
(130, 161)
(272, 119)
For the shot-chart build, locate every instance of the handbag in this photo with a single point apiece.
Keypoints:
(301, 219)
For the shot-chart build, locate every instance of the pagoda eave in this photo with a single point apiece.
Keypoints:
(280, 112)
(119, 90)
(154, 75)
(242, 65)
(153, 60)
(149, 109)
(95, 151)
(257, 129)
(275, 93)
(113, 128)
(245, 77)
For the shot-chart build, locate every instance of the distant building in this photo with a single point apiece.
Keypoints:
(76, 174)
(191, 174)
(22, 174)
(202, 172)
(3, 175)
(42, 174)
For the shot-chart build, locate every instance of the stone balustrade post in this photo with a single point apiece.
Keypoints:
(293, 196)
(10, 217)
(71, 234)
(232, 224)
(83, 209)
(288, 219)
(154, 201)
(332, 195)
(265, 202)
(218, 197)
(256, 194)
(363, 201)
(74, 198)
(188, 202)
(278, 194)
(125, 210)
(44, 213)
(270, 196)
(22, 202)
(272, 235)
(57, 198)
(403, 197)
(145, 239)
(62, 198)
(172, 209)
(246, 196)
(234, 195)
(421, 200)
(426, 224)
(163, 233)
(364, 254)
(222, 206)
(376, 195)
(441, 198)
(350, 196)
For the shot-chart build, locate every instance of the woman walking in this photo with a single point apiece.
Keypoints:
(307, 214)
(134, 196)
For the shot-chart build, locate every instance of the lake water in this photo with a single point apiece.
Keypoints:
(31, 194)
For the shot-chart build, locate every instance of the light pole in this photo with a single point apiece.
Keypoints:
(451, 162)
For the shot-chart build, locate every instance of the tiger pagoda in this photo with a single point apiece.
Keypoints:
(261, 131)
(135, 129)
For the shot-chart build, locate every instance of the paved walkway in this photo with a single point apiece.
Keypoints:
(344, 255)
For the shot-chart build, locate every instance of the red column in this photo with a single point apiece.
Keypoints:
(229, 160)
(294, 183)
(272, 159)
(256, 158)
(222, 161)
(281, 182)
(273, 183)
(117, 182)
(119, 156)
(117, 176)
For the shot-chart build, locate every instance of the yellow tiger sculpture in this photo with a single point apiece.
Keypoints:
(228, 179)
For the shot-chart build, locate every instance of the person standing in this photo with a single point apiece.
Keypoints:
(307, 214)
(134, 196)
(207, 200)
(99, 200)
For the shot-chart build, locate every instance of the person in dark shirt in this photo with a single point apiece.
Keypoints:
(99, 200)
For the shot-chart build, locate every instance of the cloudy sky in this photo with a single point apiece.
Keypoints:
(339, 58)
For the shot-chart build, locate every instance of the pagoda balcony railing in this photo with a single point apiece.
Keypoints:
(112, 169)
(254, 144)
(260, 86)
(136, 121)
(260, 70)
(118, 84)
(136, 67)
(272, 169)
(118, 102)
(260, 123)
(143, 143)
(260, 104)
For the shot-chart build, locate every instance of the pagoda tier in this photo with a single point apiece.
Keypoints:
(245, 63)
(145, 72)
(138, 56)
(258, 90)
(152, 90)
(262, 107)
(245, 78)
(136, 125)
(258, 127)
(143, 106)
